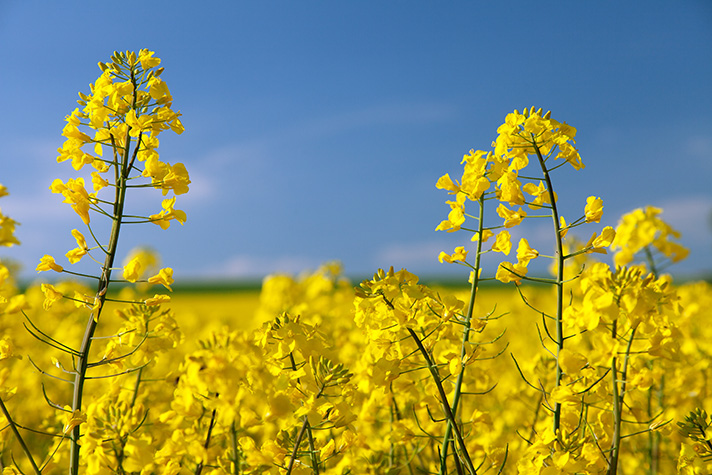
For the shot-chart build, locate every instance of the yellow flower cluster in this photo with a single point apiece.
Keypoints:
(238, 400)
(129, 104)
(522, 136)
(128, 107)
(643, 230)
(617, 321)
(7, 225)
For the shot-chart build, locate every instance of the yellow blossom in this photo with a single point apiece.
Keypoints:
(47, 263)
(571, 362)
(642, 228)
(594, 209)
(446, 183)
(459, 255)
(167, 214)
(569, 153)
(17, 303)
(157, 300)
(7, 349)
(597, 243)
(164, 277)
(145, 57)
(508, 272)
(503, 243)
(176, 179)
(563, 394)
(73, 419)
(486, 234)
(511, 217)
(81, 250)
(81, 300)
(525, 253)
(133, 269)
(456, 217)
(540, 194)
(98, 182)
(509, 189)
(158, 90)
(75, 194)
(51, 295)
(138, 124)
(563, 227)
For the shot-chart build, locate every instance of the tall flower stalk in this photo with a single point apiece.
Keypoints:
(559, 260)
(532, 133)
(467, 328)
(127, 108)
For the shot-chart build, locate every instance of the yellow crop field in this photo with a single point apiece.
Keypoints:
(202, 312)
(215, 368)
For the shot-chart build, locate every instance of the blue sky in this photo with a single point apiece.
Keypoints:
(317, 130)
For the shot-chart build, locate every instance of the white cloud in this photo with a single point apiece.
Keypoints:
(243, 153)
(202, 187)
(39, 150)
(426, 252)
(45, 207)
(404, 254)
(251, 266)
(691, 216)
(699, 147)
(317, 127)
(422, 256)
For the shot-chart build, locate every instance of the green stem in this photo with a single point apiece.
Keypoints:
(306, 428)
(651, 261)
(465, 338)
(618, 403)
(234, 449)
(613, 462)
(446, 406)
(391, 445)
(136, 387)
(297, 443)
(559, 279)
(120, 450)
(121, 175)
(312, 450)
(18, 437)
(653, 437)
(199, 467)
(655, 451)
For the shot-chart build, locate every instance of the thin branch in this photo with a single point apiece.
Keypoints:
(20, 440)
